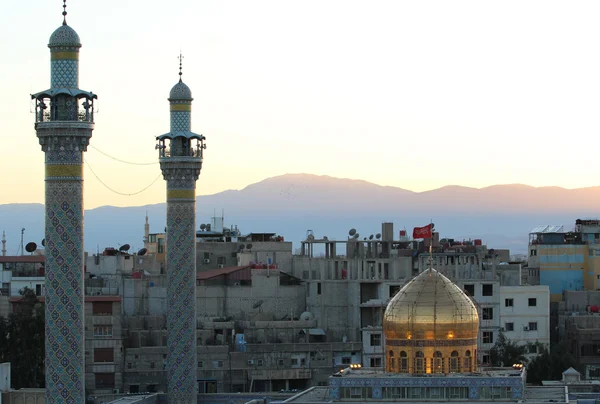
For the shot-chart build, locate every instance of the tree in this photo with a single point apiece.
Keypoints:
(22, 341)
(549, 365)
(506, 352)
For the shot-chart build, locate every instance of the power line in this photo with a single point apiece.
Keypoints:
(115, 191)
(122, 161)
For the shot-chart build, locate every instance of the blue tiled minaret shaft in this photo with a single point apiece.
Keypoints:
(181, 162)
(64, 124)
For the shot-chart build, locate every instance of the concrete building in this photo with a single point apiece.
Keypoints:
(64, 121)
(566, 260)
(348, 292)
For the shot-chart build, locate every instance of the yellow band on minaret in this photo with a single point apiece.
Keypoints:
(64, 170)
(181, 194)
(181, 107)
(64, 56)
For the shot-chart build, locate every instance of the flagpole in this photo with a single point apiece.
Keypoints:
(431, 246)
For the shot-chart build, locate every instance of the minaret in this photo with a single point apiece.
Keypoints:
(3, 243)
(64, 122)
(180, 156)
(146, 230)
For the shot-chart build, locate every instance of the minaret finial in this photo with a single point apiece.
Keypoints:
(64, 13)
(180, 64)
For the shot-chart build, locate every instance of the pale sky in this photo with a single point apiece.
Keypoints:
(414, 94)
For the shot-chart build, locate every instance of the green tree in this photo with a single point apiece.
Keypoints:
(22, 341)
(506, 352)
(549, 365)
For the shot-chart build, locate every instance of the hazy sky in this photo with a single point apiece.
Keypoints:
(414, 94)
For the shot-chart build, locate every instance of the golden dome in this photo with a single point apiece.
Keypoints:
(431, 317)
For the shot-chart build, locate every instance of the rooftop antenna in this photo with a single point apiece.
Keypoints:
(64, 13)
(180, 65)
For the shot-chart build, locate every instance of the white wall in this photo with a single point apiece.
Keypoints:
(30, 282)
(521, 314)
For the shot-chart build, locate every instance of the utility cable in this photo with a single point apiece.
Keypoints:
(115, 191)
(122, 161)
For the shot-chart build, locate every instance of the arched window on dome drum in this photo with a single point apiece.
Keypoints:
(454, 362)
(392, 361)
(438, 362)
(467, 361)
(403, 361)
(419, 362)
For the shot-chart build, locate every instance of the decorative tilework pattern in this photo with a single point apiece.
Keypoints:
(181, 121)
(64, 73)
(181, 295)
(64, 36)
(180, 91)
(64, 292)
(474, 384)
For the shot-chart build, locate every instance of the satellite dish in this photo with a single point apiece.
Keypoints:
(248, 246)
(43, 242)
(31, 247)
(371, 237)
(307, 316)
(124, 247)
(208, 227)
(365, 239)
(143, 251)
(356, 235)
(352, 232)
(241, 247)
(202, 226)
(378, 236)
(257, 304)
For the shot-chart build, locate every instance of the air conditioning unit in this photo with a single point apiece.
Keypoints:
(221, 266)
(206, 261)
(525, 328)
(251, 362)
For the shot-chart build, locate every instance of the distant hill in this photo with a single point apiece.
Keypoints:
(291, 204)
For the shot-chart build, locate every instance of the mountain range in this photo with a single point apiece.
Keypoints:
(292, 204)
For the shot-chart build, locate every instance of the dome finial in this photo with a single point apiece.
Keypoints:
(180, 57)
(64, 13)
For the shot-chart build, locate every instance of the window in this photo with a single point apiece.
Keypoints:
(152, 365)
(533, 326)
(104, 355)
(488, 313)
(394, 289)
(260, 362)
(487, 289)
(485, 360)
(509, 302)
(375, 339)
(318, 288)
(533, 253)
(217, 364)
(129, 365)
(105, 380)
(102, 308)
(488, 337)
(403, 361)
(294, 361)
(509, 326)
(346, 360)
(470, 289)
(280, 362)
(375, 362)
(161, 245)
(532, 302)
(103, 331)
(200, 364)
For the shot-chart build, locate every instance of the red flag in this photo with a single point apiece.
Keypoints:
(422, 232)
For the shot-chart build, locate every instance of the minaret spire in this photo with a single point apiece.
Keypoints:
(64, 13)
(3, 243)
(180, 57)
